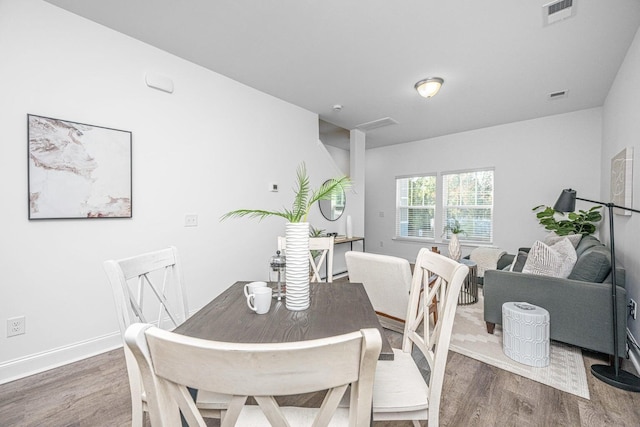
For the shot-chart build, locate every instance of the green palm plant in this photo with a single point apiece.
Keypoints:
(304, 199)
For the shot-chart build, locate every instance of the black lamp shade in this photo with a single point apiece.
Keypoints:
(567, 201)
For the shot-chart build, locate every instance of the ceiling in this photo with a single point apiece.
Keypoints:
(498, 60)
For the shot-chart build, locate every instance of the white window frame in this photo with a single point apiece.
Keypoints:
(400, 207)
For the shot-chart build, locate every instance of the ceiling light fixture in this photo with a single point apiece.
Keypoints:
(429, 87)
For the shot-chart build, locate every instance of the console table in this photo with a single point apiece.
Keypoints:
(340, 240)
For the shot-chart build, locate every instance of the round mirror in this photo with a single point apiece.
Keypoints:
(333, 208)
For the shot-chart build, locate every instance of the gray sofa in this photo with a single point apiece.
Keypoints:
(579, 307)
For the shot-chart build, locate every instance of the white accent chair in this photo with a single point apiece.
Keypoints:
(400, 392)
(387, 280)
(323, 245)
(151, 285)
(171, 362)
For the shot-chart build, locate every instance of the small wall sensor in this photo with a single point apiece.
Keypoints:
(159, 82)
(273, 187)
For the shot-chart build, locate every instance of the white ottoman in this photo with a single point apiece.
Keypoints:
(525, 333)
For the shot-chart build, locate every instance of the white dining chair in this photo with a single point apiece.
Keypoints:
(400, 391)
(149, 288)
(171, 362)
(320, 252)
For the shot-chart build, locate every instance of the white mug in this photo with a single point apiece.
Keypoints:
(250, 287)
(260, 299)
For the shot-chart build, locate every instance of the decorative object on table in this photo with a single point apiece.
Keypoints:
(297, 232)
(526, 333)
(349, 227)
(259, 300)
(622, 180)
(566, 371)
(451, 230)
(277, 272)
(611, 375)
(250, 287)
(77, 170)
(333, 207)
(581, 222)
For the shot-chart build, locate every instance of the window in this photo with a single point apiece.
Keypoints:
(416, 206)
(427, 204)
(468, 198)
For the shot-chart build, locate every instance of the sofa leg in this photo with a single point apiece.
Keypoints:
(490, 327)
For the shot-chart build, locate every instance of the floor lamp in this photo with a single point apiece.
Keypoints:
(611, 375)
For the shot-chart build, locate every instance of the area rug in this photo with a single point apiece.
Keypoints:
(566, 371)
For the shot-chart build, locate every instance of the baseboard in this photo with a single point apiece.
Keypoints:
(39, 362)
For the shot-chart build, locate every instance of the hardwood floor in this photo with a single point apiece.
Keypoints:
(94, 392)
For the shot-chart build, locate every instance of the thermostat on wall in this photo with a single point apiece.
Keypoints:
(273, 187)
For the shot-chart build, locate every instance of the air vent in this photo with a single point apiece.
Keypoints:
(557, 11)
(558, 95)
(387, 121)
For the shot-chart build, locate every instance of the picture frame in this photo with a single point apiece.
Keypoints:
(622, 180)
(77, 170)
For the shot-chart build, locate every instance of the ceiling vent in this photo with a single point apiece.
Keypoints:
(557, 11)
(558, 95)
(387, 121)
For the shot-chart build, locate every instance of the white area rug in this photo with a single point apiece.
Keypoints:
(566, 371)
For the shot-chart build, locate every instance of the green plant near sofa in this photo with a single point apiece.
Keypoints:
(581, 222)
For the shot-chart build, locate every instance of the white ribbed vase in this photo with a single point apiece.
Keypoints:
(297, 273)
(455, 252)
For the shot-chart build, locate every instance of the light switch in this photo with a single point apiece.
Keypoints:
(191, 220)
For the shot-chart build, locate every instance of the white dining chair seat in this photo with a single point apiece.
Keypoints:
(399, 389)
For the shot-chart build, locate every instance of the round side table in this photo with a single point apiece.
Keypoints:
(469, 289)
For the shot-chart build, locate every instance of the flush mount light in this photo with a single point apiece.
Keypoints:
(429, 87)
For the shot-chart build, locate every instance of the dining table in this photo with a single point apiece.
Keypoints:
(335, 309)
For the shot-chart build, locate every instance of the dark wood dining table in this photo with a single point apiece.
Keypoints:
(336, 308)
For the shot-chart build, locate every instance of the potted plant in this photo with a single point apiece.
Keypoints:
(297, 232)
(581, 222)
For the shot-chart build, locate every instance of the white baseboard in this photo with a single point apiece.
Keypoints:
(39, 362)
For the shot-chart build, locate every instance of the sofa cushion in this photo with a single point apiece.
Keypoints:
(593, 265)
(555, 261)
(519, 261)
(586, 243)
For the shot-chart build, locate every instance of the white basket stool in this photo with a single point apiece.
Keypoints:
(525, 333)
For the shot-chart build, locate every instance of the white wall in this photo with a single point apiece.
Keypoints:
(621, 128)
(533, 160)
(210, 147)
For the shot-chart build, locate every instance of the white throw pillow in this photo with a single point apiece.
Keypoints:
(555, 261)
(552, 238)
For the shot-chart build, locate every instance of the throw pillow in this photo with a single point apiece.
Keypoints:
(552, 238)
(555, 261)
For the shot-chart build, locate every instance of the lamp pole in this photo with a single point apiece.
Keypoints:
(613, 375)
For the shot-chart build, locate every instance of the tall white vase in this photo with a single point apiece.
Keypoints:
(349, 227)
(297, 273)
(454, 248)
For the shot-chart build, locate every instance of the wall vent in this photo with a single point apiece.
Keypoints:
(558, 95)
(386, 121)
(557, 11)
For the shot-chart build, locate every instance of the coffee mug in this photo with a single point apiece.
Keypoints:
(250, 287)
(260, 299)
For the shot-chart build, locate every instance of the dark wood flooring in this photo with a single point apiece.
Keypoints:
(94, 392)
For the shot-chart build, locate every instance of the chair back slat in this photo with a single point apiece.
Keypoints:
(320, 251)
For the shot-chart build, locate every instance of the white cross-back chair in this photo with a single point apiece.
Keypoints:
(148, 288)
(322, 247)
(400, 392)
(171, 362)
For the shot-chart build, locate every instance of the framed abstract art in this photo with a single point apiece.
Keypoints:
(77, 170)
(622, 180)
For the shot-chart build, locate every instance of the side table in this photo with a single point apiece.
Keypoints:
(469, 289)
(525, 333)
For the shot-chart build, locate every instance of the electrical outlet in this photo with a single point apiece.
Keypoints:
(191, 220)
(15, 326)
(633, 308)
